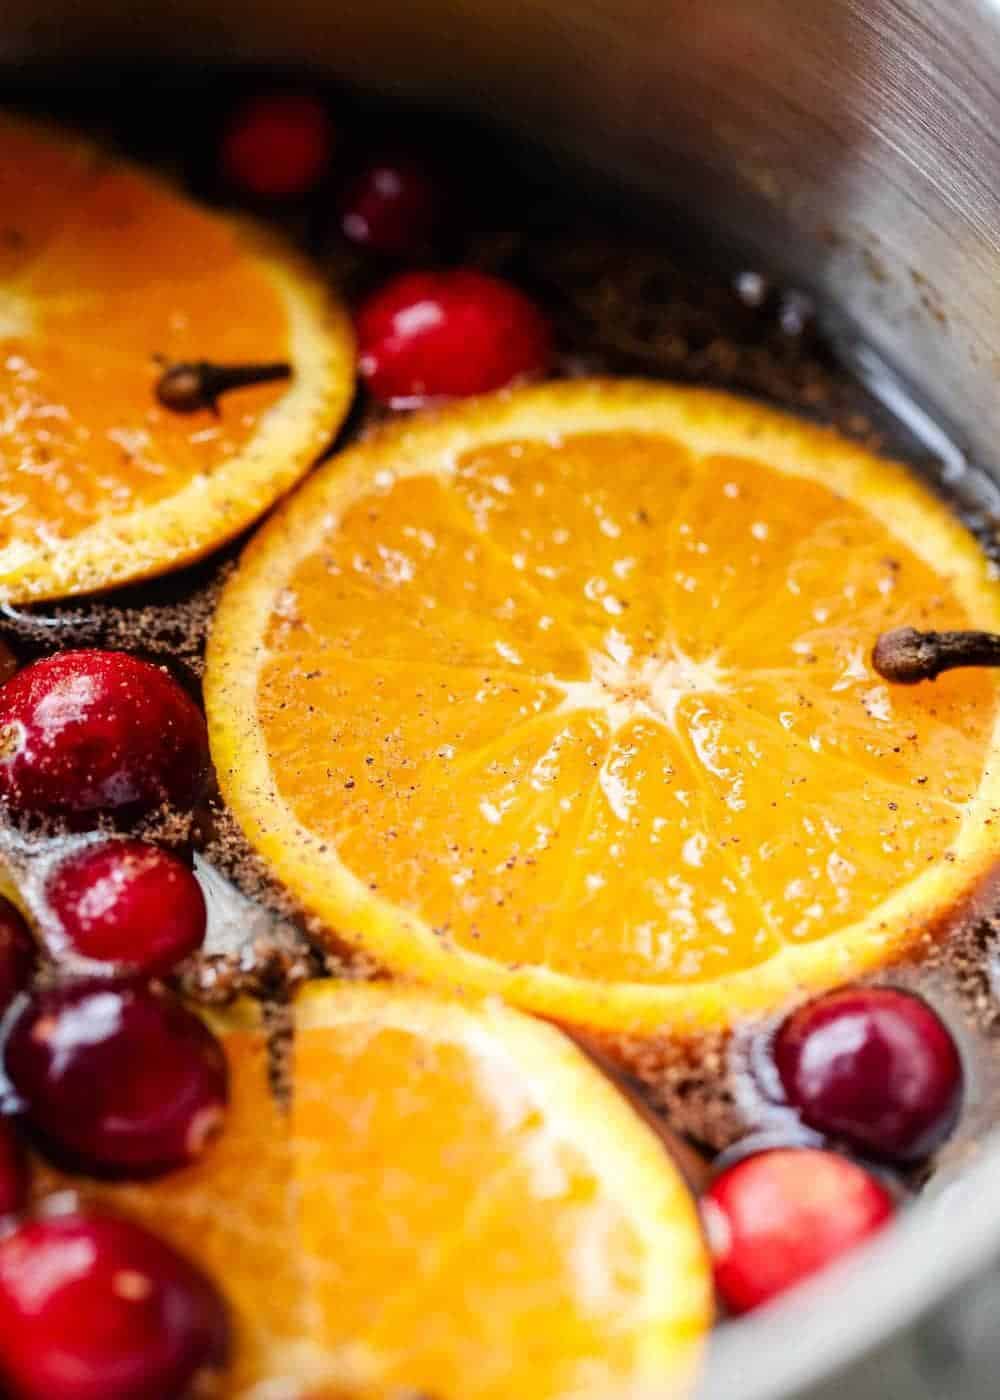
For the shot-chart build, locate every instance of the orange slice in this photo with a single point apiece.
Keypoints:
(461, 1207)
(566, 695)
(481, 1213)
(103, 269)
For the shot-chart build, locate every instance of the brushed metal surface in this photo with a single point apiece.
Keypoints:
(853, 143)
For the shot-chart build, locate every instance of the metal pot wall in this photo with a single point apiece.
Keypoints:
(851, 143)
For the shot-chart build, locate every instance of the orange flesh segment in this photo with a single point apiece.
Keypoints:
(41, 184)
(464, 1210)
(231, 1212)
(602, 707)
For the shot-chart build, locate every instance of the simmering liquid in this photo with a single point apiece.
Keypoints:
(624, 299)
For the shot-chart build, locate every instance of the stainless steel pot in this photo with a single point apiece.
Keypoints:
(852, 143)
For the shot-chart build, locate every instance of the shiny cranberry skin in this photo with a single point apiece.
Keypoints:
(277, 145)
(13, 1171)
(875, 1067)
(117, 1080)
(87, 731)
(18, 953)
(394, 205)
(778, 1217)
(93, 1307)
(431, 335)
(128, 904)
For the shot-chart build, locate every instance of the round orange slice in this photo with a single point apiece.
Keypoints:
(106, 275)
(566, 695)
(458, 1205)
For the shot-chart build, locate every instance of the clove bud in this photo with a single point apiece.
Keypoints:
(907, 656)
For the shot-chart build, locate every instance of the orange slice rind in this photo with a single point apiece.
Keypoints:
(106, 272)
(565, 694)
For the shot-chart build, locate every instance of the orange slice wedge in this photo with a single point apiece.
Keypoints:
(566, 695)
(105, 273)
(461, 1206)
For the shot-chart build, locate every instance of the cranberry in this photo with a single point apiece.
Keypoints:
(93, 1307)
(13, 1171)
(393, 205)
(777, 1217)
(427, 335)
(277, 146)
(875, 1067)
(91, 730)
(128, 904)
(18, 953)
(117, 1080)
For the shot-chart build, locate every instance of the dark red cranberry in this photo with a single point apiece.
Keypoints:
(98, 730)
(18, 953)
(118, 1080)
(394, 205)
(429, 335)
(277, 146)
(873, 1066)
(775, 1218)
(128, 904)
(13, 1171)
(93, 1307)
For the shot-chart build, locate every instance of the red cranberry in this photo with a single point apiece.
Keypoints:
(91, 730)
(777, 1217)
(18, 953)
(277, 146)
(394, 206)
(13, 1171)
(875, 1067)
(128, 904)
(118, 1080)
(93, 1307)
(428, 335)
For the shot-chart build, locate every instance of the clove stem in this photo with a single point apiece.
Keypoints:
(907, 656)
(192, 385)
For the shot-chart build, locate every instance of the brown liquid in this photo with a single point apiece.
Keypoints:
(624, 300)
